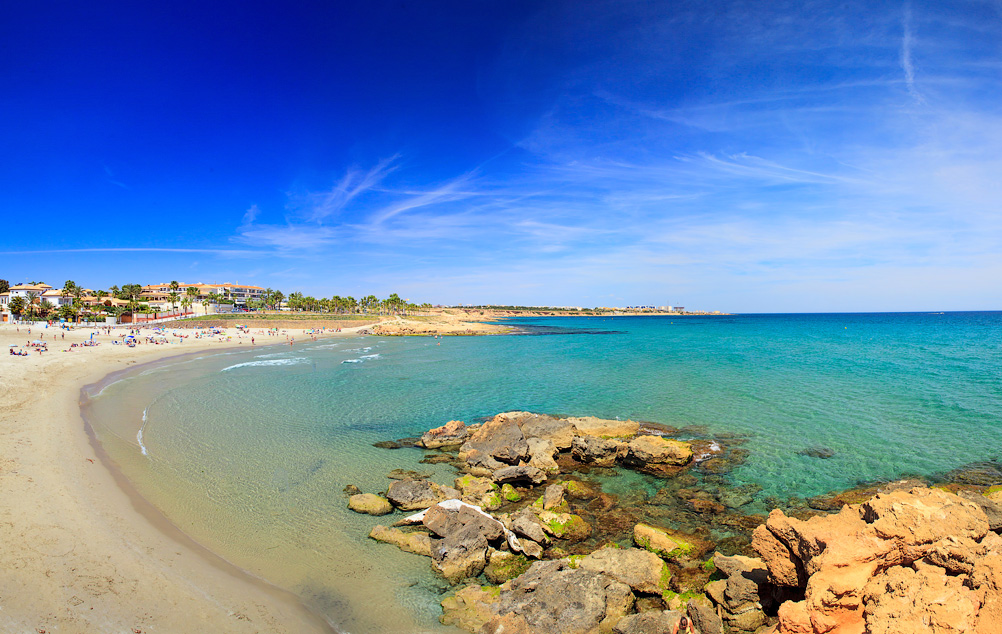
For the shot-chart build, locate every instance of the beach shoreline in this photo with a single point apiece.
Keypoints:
(83, 551)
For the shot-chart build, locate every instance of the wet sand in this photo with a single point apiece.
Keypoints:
(82, 554)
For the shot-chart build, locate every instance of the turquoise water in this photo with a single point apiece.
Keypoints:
(248, 451)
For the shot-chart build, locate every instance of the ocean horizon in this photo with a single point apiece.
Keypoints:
(249, 451)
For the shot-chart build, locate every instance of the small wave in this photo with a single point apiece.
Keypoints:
(273, 355)
(371, 356)
(352, 361)
(268, 362)
(139, 436)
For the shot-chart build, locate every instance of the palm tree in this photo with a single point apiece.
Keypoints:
(32, 298)
(205, 305)
(172, 297)
(44, 307)
(192, 295)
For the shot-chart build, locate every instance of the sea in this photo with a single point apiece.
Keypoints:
(248, 451)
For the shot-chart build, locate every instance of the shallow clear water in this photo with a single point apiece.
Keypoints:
(249, 451)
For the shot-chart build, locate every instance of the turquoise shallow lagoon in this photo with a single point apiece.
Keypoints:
(248, 451)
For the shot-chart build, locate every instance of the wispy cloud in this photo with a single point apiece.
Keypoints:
(906, 54)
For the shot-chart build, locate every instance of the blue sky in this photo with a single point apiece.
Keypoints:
(740, 156)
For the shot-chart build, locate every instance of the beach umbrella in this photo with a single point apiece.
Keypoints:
(37, 341)
(14, 345)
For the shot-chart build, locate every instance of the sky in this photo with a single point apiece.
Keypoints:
(719, 155)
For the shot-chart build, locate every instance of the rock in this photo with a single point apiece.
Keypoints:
(470, 608)
(707, 507)
(541, 452)
(523, 474)
(559, 432)
(648, 623)
(437, 458)
(369, 503)
(903, 600)
(405, 474)
(504, 566)
(528, 525)
(841, 553)
(509, 493)
(480, 492)
(580, 490)
(823, 453)
(553, 497)
(597, 451)
(455, 432)
(499, 439)
(703, 616)
(785, 568)
(467, 534)
(747, 580)
(555, 598)
(717, 591)
(991, 508)
(412, 495)
(591, 426)
(387, 444)
(417, 543)
(655, 451)
(445, 522)
(351, 489)
(745, 621)
(660, 543)
(565, 526)
(531, 549)
(642, 570)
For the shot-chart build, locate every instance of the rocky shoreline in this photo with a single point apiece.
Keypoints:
(532, 543)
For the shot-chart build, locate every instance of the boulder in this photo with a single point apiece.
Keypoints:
(369, 503)
(591, 426)
(528, 525)
(703, 616)
(656, 453)
(642, 570)
(467, 535)
(553, 497)
(555, 598)
(580, 490)
(659, 542)
(499, 439)
(480, 492)
(747, 582)
(351, 489)
(523, 474)
(558, 431)
(509, 494)
(444, 521)
(651, 622)
(541, 452)
(503, 566)
(600, 452)
(455, 432)
(417, 543)
(412, 495)
(565, 526)
(470, 608)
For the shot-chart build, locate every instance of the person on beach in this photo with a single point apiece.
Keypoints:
(684, 626)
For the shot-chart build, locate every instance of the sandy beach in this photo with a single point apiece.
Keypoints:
(80, 554)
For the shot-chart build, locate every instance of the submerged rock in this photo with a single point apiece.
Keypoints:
(412, 542)
(369, 503)
(470, 608)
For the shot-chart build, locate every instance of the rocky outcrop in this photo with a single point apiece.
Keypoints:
(369, 503)
(659, 542)
(601, 452)
(900, 559)
(412, 495)
(482, 492)
(553, 597)
(541, 453)
(455, 432)
(744, 594)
